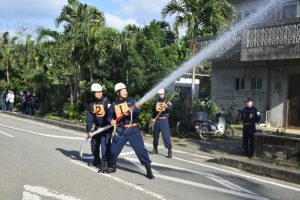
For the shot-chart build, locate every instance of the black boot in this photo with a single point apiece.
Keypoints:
(154, 151)
(149, 172)
(103, 168)
(95, 162)
(169, 153)
(111, 169)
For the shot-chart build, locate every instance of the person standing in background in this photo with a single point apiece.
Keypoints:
(3, 101)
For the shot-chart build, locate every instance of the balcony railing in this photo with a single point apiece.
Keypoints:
(232, 48)
(268, 41)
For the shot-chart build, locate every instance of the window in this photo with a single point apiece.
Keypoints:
(239, 83)
(238, 18)
(184, 92)
(256, 84)
(249, 13)
(289, 10)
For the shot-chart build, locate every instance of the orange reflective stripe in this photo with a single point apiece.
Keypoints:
(130, 125)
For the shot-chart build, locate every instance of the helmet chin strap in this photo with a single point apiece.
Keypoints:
(119, 96)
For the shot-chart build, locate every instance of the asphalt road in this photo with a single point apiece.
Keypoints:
(40, 161)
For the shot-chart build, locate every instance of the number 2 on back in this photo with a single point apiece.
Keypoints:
(99, 110)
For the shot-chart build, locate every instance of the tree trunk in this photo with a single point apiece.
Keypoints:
(193, 74)
(91, 76)
(7, 75)
(77, 85)
(71, 91)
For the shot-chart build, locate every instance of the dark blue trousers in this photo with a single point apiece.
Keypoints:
(248, 142)
(162, 125)
(103, 139)
(134, 137)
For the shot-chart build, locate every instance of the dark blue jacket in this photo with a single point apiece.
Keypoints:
(28, 99)
(3, 95)
(34, 100)
(117, 109)
(250, 118)
(23, 98)
(157, 107)
(97, 113)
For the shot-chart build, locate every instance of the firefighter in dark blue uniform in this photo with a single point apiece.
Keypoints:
(250, 116)
(161, 122)
(123, 115)
(34, 104)
(97, 114)
(28, 103)
(22, 102)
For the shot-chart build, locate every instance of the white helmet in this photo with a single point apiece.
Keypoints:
(96, 87)
(119, 86)
(161, 91)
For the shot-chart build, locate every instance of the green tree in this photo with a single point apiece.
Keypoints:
(200, 17)
(8, 61)
(78, 20)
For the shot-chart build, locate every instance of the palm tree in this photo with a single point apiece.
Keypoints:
(8, 60)
(76, 12)
(200, 17)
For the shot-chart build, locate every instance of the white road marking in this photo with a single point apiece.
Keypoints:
(182, 152)
(138, 164)
(230, 185)
(195, 155)
(136, 187)
(30, 196)
(6, 134)
(213, 177)
(45, 125)
(45, 135)
(127, 153)
(35, 190)
(200, 185)
(240, 174)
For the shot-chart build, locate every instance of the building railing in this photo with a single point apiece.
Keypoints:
(271, 40)
(228, 50)
(274, 35)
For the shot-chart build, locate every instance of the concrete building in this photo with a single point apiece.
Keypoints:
(184, 85)
(263, 63)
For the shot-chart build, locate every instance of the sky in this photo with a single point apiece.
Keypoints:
(16, 15)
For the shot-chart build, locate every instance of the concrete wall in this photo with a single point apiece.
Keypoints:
(250, 6)
(268, 99)
(223, 90)
(278, 149)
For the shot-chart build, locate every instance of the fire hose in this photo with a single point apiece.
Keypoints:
(102, 129)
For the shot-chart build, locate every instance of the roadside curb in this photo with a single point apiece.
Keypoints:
(261, 168)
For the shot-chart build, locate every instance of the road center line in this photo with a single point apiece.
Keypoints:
(40, 134)
(239, 174)
(7, 134)
(136, 187)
